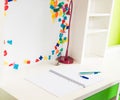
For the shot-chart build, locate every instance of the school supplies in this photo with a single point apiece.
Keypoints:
(88, 73)
(62, 81)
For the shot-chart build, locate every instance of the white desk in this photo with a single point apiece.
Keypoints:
(14, 83)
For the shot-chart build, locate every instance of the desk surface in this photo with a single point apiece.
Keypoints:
(14, 83)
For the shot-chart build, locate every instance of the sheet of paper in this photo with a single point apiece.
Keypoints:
(54, 84)
(73, 74)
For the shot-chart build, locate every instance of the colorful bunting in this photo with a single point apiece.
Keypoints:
(9, 42)
(5, 53)
(6, 5)
(59, 10)
(16, 66)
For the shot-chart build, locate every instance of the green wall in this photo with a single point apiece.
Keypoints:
(114, 38)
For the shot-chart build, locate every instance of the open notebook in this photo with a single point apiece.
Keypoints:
(73, 75)
(63, 81)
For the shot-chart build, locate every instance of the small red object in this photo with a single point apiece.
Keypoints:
(68, 12)
(63, 21)
(65, 60)
(28, 62)
(55, 47)
(64, 10)
(66, 5)
(6, 7)
(37, 60)
(5, 52)
(6, 2)
(11, 64)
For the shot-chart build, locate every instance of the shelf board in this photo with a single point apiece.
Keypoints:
(95, 31)
(99, 14)
(93, 60)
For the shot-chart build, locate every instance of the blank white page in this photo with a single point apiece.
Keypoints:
(54, 84)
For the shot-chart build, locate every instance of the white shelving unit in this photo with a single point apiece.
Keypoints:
(90, 30)
(97, 31)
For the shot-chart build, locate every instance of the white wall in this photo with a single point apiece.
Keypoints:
(28, 24)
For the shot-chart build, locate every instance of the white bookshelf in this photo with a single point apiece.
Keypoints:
(90, 30)
(97, 31)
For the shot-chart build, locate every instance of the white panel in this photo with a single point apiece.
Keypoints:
(95, 44)
(97, 31)
(79, 21)
(98, 22)
(100, 6)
